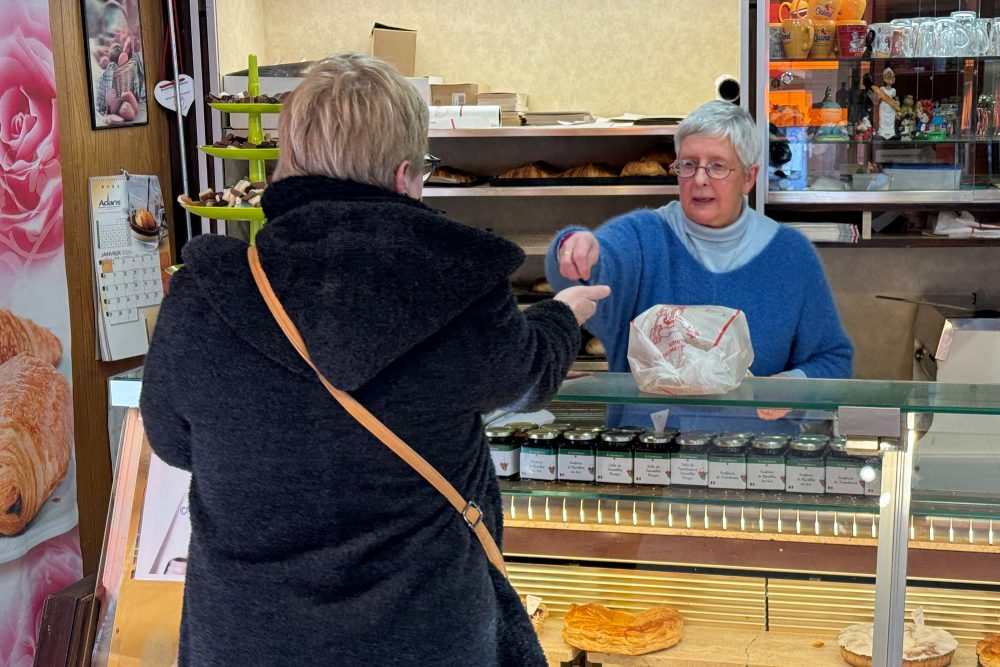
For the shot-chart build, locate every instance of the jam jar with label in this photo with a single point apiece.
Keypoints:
(652, 457)
(766, 463)
(614, 458)
(506, 453)
(689, 461)
(577, 456)
(843, 471)
(539, 455)
(805, 469)
(727, 461)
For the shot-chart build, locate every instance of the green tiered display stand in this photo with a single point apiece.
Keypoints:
(255, 157)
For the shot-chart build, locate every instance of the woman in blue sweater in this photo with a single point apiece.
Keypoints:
(711, 247)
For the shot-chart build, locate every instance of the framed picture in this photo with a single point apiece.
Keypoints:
(115, 67)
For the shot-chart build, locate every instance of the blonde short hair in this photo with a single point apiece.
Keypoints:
(355, 118)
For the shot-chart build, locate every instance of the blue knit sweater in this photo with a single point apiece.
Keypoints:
(782, 289)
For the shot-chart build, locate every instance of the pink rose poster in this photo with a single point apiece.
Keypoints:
(39, 544)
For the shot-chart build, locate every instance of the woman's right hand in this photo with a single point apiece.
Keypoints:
(582, 299)
(577, 255)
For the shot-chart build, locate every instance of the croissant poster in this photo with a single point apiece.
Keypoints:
(39, 543)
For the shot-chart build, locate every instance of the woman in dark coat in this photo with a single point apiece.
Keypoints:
(312, 543)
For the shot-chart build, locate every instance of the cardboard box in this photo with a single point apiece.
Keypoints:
(454, 94)
(397, 46)
(423, 85)
(453, 118)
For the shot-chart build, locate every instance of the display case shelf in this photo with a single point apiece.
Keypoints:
(554, 191)
(557, 131)
(883, 197)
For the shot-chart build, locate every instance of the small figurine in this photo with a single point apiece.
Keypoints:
(983, 112)
(863, 129)
(925, 111)
(858, 105)
(888, 105)
(843, 96)
(832, 125)
(907, 119)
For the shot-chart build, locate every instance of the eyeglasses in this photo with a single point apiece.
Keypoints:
(715, 170)
(430, 164)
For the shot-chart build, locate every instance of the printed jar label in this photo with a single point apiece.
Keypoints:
(506, 459)
(844, 477)
(576, 465)
(689, 469)
(766, 473)
(651, 468)
(538, 463)
(613, 468)
(727, 473)
(874, 487)
(805, 477)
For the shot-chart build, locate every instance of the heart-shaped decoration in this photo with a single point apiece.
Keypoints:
(164, 94)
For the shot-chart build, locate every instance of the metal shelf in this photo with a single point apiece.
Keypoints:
(884, 197)
(558, 131)
(555, 191)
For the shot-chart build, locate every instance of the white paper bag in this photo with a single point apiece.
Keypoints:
(689, 349)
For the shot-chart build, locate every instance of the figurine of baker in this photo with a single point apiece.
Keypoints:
(888, 105)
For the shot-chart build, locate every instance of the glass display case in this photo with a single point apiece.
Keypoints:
(880, 102)
(902, 515)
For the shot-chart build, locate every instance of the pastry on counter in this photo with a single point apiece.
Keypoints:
(36, 435)
(537, 612)
(643, 168)
(452, 176)
(988, 650)
(19, 335)
(590, 170)
(594, 627)
(532, 170)
(541, 286)
(922, 647)
(595, 348)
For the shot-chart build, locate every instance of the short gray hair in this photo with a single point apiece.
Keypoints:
(355, 118)
(726, 121)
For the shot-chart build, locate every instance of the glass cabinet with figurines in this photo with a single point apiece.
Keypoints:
(880, 101)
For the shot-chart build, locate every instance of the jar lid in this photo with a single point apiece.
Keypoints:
(634, 430)
(542, 434)
(560, 426)
(521, 426)
(775, 437)
(499, 432)
(694, 438)
(742, 435)
(729, 441)
(578, 435)
(838, 445)
(617, 437)
(810, 437)
(598, 428)
(807, 446)
(656, 438)
(769, 444)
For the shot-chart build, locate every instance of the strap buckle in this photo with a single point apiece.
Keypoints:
(477, 519)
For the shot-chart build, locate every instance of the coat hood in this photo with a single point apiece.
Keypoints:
(365, 274)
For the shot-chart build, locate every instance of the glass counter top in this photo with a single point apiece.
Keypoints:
(804, 394)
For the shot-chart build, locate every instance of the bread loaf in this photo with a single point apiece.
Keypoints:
(18, 335)
(594, 627)
(36, 435)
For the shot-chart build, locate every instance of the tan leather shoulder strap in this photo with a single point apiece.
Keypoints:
(469, 510)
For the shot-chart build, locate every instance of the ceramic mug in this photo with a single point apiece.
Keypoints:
(879, 33)
(851, 38)
(824, 40)
(795, 9)
(823, 10)
(776, 41)
(851, 10)
(798, 37)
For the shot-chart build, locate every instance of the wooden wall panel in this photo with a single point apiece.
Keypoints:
(85, 153)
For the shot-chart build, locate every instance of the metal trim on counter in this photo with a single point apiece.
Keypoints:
(557, 131)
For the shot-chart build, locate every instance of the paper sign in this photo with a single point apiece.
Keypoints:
(164, 94)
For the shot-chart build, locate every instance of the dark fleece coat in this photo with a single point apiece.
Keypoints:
(313, 544)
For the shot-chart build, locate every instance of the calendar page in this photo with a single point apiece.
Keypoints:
(131, 251)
